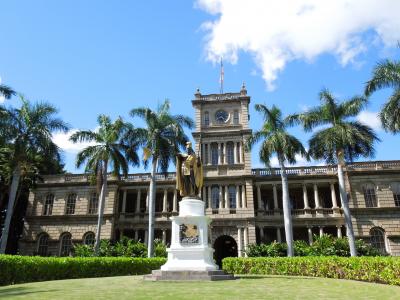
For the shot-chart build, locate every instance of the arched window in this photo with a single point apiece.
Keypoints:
(65, 244)
(377, 239)
(70, 206)
(232, 196)
(48, 205)
(369, 195)
(88, 239)
(235, 117)
(214, 154)
(93, 203)
(396, 193)
(43, 244)
(230, 153)
(206, 119)
(215, 196)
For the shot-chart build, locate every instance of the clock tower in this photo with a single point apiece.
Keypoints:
(222, 128)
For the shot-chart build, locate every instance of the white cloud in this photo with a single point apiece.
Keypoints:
(300, 162)
(370, 118)
(62, 141)
(276, 32)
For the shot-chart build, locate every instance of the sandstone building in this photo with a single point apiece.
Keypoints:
(245, 204)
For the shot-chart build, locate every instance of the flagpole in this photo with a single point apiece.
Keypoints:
(221, 78)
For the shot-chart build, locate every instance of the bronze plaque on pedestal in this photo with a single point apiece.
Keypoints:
(188, 234)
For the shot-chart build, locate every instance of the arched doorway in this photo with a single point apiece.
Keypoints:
(224, 246)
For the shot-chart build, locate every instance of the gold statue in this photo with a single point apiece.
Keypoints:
(189, 173)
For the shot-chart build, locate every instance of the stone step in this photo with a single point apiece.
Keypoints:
(159, 275)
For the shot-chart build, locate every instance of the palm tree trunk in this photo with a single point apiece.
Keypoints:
(10, 208)
(101, 209)
(152, 201)
(287, 216)
(346, 211)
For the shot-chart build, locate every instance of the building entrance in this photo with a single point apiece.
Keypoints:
(224, 246)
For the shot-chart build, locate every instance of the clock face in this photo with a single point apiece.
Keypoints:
(221, 116)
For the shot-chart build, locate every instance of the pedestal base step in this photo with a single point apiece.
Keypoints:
(158, 275)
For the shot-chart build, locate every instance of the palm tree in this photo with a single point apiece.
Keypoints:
(341, 140)
(387, 74)
(162, 138)
(6, 91)
(276, 140)
(28, 134)
(109, 151)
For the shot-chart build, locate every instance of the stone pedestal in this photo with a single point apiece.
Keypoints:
(190, 257)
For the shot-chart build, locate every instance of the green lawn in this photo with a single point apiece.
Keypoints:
(133, 287)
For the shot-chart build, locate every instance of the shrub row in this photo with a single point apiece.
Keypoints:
(371, 269)
(125, 247)
(325, 245)
(18, 269)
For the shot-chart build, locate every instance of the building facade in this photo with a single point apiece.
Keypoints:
(245, 204)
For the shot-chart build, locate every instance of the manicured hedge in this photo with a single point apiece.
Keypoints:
(372, 269)
(18, 269)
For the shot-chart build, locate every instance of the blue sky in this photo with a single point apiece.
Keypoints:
(93, 57)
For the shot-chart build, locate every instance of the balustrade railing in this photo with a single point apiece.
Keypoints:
(328, 170)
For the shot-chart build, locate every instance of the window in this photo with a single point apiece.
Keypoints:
(65, 244)
(206, 119)
(370, 196)
(230, 153)
(396, 193)
(232, 196)
(235, 117)
(71, 201)
(43, 244)
(48, 205)
(377, 239)
(205, 158)
(88, 239)
(214, 154)
(215, 196)
(93, 203)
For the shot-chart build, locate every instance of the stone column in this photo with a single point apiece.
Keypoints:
(203, 146)
(278, 235)
(124, 201)
(321, 231)
(175, 201)
(136, 235)
(316, 196)
(164, 236)
(305, 197)
(138, 200)
(146, 235)
(237, 197)
(310, 236)
(164, 209)
(240, 242)
(244, 205)
(147, 201)
(245, 239)
(209, 154)
(240, 153)
(204, 195)
(275, 193)
(339, 231)
(219, 153)
(227, 204)
(209, 197)
(221, 200)
(224, 158)
(333, 195)
(261, 234)
(260, 202)
(235, 156)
